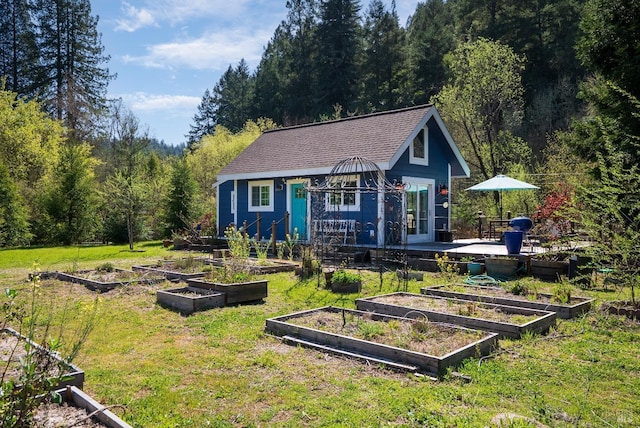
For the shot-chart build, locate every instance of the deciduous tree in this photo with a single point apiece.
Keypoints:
(483, 103)
(14, 224)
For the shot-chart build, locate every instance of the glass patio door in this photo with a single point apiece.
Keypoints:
(419, 209)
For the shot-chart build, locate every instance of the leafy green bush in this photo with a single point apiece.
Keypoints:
(342, 276)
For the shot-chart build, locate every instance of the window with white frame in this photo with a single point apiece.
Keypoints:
(419, 151)
(261, 195)
(343, 199)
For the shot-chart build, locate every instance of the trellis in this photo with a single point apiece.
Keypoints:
(343, 228)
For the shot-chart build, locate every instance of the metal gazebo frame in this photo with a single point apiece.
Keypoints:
(344, 235)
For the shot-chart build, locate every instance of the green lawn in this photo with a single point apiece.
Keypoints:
(219, 368)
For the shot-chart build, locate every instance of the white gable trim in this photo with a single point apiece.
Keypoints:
(432, 113)
(287, 173)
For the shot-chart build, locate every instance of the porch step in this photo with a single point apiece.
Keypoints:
(313, 345)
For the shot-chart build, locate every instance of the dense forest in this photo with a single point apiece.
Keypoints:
(542, 90)
(331, 58)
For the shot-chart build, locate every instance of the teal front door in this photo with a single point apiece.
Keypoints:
(299, 209)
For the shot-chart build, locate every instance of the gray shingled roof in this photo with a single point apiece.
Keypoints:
(376, 137)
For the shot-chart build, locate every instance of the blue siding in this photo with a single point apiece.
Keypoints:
(439, 157)
(266, 217)
(224, 206)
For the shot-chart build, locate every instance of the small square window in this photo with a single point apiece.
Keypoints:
(261, 196)
(342, 198)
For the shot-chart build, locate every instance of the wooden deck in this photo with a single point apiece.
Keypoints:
(468, 247)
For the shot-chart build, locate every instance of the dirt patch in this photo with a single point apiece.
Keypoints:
(467, 309)
(62, 415)
(12, 350)
(416, 335)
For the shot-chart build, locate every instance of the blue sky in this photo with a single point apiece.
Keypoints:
(166, 53)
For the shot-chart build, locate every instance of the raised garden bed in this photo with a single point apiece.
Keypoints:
(106, 281)
(239, 292)
(188, 300)
(12, 350)
(400, 342)
(507, 321)
(497, 295)
(173, 271)
(627, 308)
(255, 266)
(75, 409)
(548, 270)
(501, 267)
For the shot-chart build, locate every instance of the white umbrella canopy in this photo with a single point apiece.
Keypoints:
(500, 183)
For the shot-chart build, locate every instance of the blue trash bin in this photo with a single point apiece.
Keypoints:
(513, 241)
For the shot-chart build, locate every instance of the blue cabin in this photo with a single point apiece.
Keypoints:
(277, 176)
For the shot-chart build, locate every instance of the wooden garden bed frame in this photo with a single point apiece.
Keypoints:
(73, 377)
(240, 292)
(77, 398)
(188, 300)
(101, 286)
(564, 311)
(169, 274)
(371, 351)
(273, 266)
(541, 324)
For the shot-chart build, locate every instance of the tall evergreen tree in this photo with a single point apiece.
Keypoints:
(271, 75)
(182, 207)
(233, 97)
(301, 73)
(430, 35)
(382, 68)
(18, 51)
(72, 199)
(338, 42)
(204, 121)
(73, 79)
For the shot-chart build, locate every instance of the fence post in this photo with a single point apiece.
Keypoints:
(286, 222)
(273, 237)
(258, 221)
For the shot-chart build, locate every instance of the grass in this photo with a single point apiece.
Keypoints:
(50, 258)
(218, 368)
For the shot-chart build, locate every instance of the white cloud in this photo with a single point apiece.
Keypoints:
(141, 101)
(154, 12)
(212, 51)
(135, 18)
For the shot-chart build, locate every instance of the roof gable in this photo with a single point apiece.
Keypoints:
(317, 147)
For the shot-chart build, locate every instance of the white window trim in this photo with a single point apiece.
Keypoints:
(344, 207)
(233, 201)
(262, 208)
(420, 161)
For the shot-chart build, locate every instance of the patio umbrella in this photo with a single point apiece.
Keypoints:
(500, 183)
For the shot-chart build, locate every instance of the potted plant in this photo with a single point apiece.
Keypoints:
(343, 281)
(473, 267)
